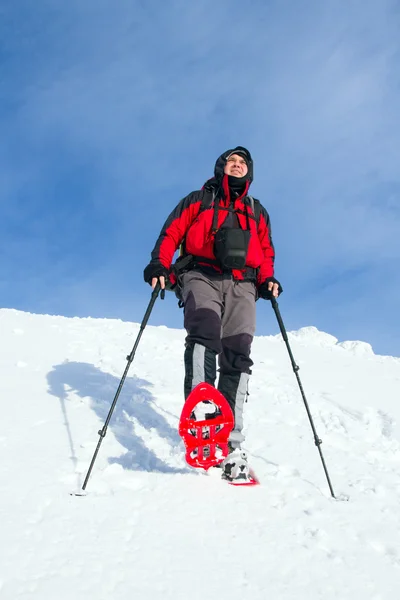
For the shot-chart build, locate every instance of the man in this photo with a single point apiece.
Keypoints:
(228, 234)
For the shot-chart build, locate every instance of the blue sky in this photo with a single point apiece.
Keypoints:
(112, 111)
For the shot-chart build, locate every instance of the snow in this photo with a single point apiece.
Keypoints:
(151, 527)
(311, 335)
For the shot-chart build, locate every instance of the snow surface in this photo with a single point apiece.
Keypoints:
(152, 528)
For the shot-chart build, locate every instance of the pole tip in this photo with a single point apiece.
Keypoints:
(78, 493)
(342, 498)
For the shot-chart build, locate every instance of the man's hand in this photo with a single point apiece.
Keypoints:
(155, 272)
(271, 288)
(162, 282)
(274, 289)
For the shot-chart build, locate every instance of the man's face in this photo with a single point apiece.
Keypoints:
(236, 166)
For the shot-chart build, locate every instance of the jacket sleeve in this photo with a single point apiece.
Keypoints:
(175, 228)
(265, 237)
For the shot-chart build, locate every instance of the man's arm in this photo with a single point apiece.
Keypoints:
(171, 236)
(268, 286)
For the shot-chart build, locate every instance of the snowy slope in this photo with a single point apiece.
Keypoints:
(150, 527)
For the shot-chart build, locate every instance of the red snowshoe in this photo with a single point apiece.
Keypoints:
(205, 424)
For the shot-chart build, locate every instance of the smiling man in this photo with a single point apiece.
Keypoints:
(227, 234)
(236, 165)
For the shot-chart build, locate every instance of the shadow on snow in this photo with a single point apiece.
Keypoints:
(135, 404)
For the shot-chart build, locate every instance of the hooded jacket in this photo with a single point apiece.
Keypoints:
(190, 224)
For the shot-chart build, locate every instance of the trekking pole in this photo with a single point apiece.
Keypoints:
(129, 358)
(296, 369)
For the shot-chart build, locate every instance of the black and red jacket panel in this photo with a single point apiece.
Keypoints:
(189, 223)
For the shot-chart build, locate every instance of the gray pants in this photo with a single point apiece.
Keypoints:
(220, 319)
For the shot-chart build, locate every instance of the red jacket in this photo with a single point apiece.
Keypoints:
(189, 224)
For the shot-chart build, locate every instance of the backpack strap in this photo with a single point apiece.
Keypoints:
(209, 198)
(256, 209)
(207, 202)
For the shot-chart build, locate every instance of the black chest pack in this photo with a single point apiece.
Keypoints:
(231, 242)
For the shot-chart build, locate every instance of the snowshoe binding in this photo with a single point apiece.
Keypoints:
(236, 470)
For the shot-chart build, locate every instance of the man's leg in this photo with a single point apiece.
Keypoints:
(238, 328)
(202, 309)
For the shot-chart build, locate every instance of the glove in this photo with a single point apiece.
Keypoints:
(155, 269)
(263, 290)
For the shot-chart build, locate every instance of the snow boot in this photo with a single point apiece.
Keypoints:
(235, 467)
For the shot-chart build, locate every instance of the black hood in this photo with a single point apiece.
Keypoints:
(221, 162)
